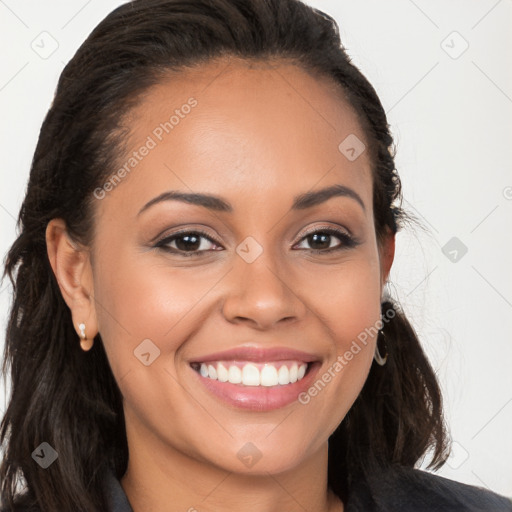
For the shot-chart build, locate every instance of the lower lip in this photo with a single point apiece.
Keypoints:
(259, 398)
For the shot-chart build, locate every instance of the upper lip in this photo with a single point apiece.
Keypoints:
(258, 355)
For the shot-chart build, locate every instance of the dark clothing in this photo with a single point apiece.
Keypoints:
(117, 497)
(412, 490)
(396, 490)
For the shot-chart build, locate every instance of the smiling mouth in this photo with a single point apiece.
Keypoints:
(250, 373)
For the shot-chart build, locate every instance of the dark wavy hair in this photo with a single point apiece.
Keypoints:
(69, 398)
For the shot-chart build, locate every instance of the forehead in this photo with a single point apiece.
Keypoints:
(234, 125)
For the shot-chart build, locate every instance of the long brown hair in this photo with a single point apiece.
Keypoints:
(68, 398)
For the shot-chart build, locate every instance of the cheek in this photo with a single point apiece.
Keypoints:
(347, 298)
(139, 301)
(347, 301)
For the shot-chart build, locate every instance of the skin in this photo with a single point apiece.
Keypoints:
(259, 136)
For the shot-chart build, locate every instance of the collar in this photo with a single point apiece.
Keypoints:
(117, 499)
(396, 488)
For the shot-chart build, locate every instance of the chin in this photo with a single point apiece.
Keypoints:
(250, 460)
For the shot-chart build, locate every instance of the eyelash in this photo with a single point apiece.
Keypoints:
(347, 241)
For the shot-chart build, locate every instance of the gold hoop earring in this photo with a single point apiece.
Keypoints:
(379, 359)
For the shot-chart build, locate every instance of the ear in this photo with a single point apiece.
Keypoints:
(72, 268)
(387, 255)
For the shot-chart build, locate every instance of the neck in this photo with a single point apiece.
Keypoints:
(160, 478)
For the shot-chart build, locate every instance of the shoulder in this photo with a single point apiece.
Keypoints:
(404, 489)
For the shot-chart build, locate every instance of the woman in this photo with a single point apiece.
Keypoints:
(199, 319)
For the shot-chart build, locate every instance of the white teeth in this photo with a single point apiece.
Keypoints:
(212, 372)
(234, 374)
(293, 373)
(284, 375)
(251, 375)
(269, 376)
(222, 373)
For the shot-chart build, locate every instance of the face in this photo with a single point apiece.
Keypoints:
(261, 269)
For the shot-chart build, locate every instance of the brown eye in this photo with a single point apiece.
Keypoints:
(191, 242)
(320, 240)
(324, 240)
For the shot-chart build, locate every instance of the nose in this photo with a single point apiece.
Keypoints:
(260, 294)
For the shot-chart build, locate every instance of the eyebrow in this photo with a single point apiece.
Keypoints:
(300, 202)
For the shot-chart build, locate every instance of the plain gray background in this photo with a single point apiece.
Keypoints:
(442, 70)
